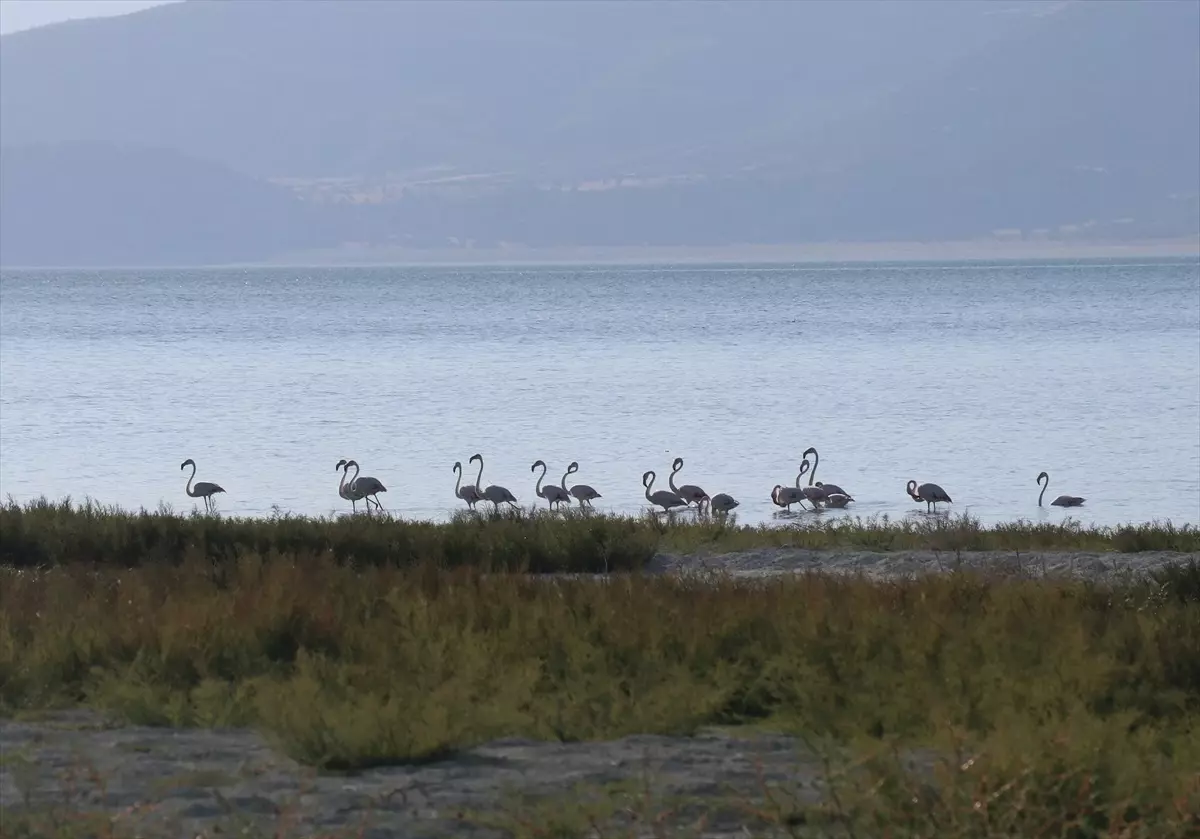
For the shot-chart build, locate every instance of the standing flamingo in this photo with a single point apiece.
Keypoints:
(814, 495)
(496, 494)
(830, 489)
(584, 493)
(202, 489)
(1062, 500)
(661, 498)
(467, 493)
(931, 494)
(366, 488)
(346, 490)
(690, 493)
(722, 503)
(553, 494)
(783, 496)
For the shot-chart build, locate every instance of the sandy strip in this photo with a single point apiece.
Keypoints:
(765, 562)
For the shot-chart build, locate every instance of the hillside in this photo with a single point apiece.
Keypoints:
(657, 122)
(93, 204)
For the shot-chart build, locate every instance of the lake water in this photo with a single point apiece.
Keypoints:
(975, 376)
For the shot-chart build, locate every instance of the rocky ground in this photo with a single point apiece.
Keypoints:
(155, 782)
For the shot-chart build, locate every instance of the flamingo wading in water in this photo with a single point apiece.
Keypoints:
(584, 493)
(661, 498)
(346, 490)
(552, 493)
(722, 503)
(931, 494)
(467, 493)
(785, 497)
(1062, 500)
(814, 495)
(690, 493)
(366, 488)
(829, 489)
(202, 489)
(496, 494)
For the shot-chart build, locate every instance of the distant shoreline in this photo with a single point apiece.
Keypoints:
(832, 252)
(972, 250)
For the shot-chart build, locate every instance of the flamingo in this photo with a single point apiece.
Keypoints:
(202, 489)
(584, 493)
(347, 490)
(814, 495)
(496, 494)
(785, 497)
(722, 503)
(553, 494)
(467, 493)
(662, 498)
(1062, 500)
(688, 492)
(366, 488)
(830, 489)
(931, 494)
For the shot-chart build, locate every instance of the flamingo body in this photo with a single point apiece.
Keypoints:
(468, 493)
(581, 492)
(690, 493)
(1062, 500)
(552, 493)
(201, 489)
(346, 490)
(366, 488)
(496, 494)
(661, 498)
(931, 494)
(722, 503)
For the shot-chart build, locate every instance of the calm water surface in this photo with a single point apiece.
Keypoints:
(975, 376)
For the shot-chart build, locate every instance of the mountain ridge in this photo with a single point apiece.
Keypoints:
(592, 124)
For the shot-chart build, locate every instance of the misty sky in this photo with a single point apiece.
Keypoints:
(16, 15)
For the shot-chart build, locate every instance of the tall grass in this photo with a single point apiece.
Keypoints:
(43, 533)
(1054, 708)
(355, 667)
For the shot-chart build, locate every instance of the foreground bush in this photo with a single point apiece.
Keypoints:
(1051, 708)
(351, 668)
(43, 533)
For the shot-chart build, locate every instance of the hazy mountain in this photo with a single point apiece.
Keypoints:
(92, 204)
(705, 122)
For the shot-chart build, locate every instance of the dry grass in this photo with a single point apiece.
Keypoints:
(1059, 708)
(43, 533)
(353, 667)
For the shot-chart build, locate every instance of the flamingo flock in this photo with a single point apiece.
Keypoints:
(816, 494)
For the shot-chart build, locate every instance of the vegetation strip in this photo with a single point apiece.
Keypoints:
(42, 533)
(1052, 705)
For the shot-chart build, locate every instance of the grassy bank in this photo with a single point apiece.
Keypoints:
(1062, 697)
(44, 534)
